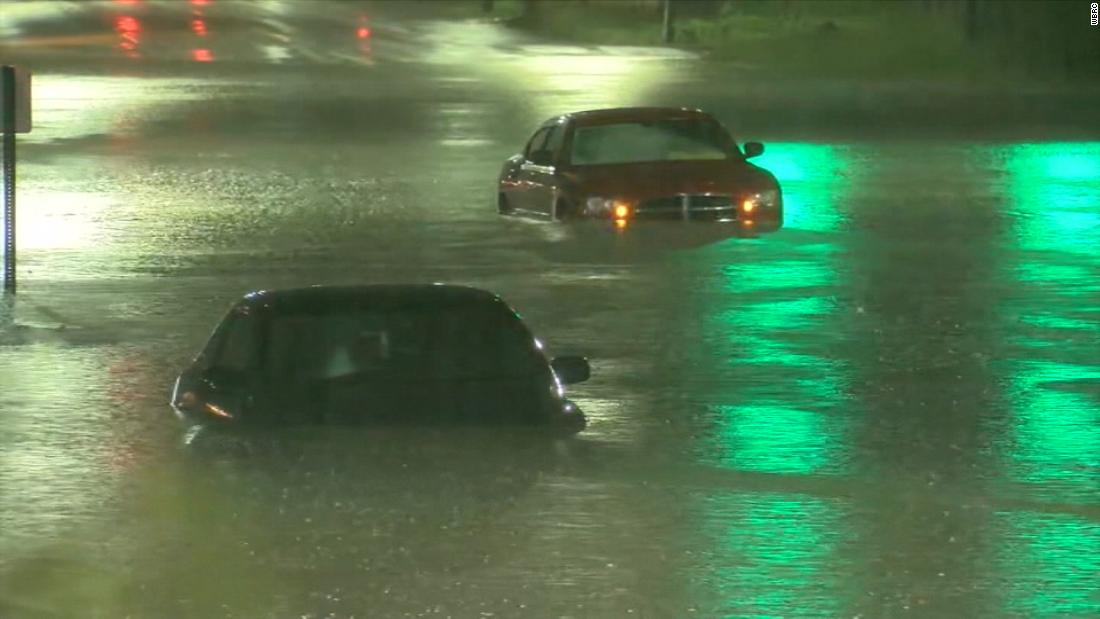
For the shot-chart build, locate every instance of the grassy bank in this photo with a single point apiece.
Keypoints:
(839, 39)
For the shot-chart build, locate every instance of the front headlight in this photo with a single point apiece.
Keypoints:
(597, 206)
(767, 200)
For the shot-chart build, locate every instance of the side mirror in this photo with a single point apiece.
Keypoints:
(753, 149)
(542, 157)
(571, 369)
(217, 396)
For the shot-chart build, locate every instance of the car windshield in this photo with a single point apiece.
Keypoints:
(662, 140)
(453, 342)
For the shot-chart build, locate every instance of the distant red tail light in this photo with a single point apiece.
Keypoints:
(127, 24)
(363, 32)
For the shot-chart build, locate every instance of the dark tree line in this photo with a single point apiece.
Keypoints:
(1052, 36)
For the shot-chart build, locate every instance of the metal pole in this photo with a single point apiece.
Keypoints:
(668, 28)
(8, 88)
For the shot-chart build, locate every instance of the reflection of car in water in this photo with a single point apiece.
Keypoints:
(385, 355)
(635, 164)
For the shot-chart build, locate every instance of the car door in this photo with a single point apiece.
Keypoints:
(543, 176)
(520, 197)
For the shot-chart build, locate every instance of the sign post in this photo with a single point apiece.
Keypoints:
(668, 23)
(15, 117)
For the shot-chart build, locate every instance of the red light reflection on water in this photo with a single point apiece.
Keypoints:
(363, 32)
(198, 26)
(129, 30)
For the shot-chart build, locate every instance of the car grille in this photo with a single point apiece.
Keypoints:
(697, 207)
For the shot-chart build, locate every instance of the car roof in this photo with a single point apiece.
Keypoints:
(313, 298)
(622, 114)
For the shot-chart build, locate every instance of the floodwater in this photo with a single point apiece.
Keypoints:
(889, 408)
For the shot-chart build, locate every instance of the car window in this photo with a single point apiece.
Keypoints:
(482, 344)
(555, 139)
(666, 140)
(460, 343)
(238, 346)
(538, 141)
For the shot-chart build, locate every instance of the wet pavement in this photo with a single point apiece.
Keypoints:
(889, 408)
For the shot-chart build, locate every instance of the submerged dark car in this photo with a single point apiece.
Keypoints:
(625, 165)
(376, 355)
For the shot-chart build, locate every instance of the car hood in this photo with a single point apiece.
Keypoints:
(640, 181)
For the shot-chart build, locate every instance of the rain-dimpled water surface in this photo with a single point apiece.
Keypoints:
(890, 408)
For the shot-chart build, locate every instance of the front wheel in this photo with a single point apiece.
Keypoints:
(503, 207)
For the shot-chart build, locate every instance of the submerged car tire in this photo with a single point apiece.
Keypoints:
(502, 204)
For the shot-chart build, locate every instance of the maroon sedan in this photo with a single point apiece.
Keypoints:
(637, 164)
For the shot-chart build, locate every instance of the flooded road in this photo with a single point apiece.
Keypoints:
(889, 408)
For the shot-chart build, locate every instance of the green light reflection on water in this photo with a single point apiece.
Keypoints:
(770, 550)
(1053, 321)
(774, 439)
(774, 423)
(811, 175)
(1052, 442)
(787, 275)
(1055, 560)
(1053, 194)
(1056, 430)
(758, 317)
(777, 314)
(1054, 277)
(1063, 162)
(779, 408)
